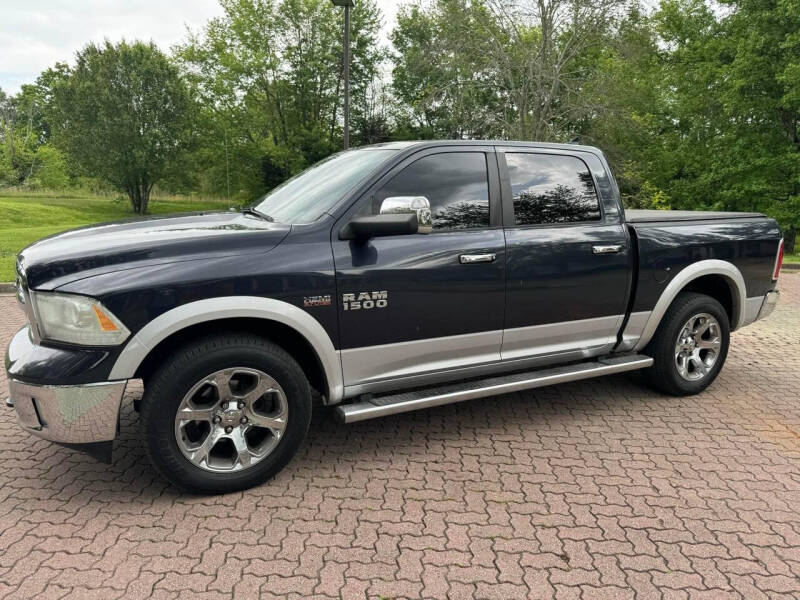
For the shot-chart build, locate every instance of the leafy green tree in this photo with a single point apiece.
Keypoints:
(631, 108)
(7, 171)
(491, 68)
(442, 76)
(269, 74)
(20, 136)
(123, 113)
(729, 136)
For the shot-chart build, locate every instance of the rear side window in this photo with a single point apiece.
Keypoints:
(549, 188)
(455, 183)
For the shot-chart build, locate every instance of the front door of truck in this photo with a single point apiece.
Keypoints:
(424, 304)
(568, 255)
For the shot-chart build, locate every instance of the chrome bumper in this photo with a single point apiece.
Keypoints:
(77, 414)
(770, 302)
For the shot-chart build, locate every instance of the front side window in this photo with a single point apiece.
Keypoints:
(549, 188)
(455, 183)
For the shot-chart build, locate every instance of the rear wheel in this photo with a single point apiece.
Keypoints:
(690, 346)
(225, 413)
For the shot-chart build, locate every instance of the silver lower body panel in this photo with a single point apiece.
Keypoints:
(77, 414)
(402, 365)
(472, 371)
(459, 392)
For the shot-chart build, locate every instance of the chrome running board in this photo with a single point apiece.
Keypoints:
(382, 406)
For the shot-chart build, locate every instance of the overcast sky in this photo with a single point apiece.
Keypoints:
(35, 34)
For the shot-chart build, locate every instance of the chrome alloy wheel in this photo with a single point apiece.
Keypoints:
(231, 420)
(698, 346)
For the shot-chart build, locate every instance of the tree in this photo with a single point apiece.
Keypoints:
(539, 50)
(728, 136)
(492, 68)
(122, 114)
(269, 74)
(441, 74)
(762, 102)
(634, 113)
(21, 133)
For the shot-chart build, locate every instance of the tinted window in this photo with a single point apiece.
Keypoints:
(455, 183)
(551, 189)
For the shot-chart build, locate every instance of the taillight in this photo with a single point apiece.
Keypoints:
(778, 261)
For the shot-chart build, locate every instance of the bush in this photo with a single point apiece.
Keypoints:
(50, 170)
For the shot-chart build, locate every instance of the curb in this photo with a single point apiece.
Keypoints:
(790, 267)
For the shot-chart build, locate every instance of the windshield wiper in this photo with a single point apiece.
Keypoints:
(255, 213)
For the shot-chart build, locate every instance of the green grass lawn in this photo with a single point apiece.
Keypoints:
(791, 258)
(27, 218)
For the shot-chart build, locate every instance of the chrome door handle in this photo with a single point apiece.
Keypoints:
(611, 249)
(469, 259)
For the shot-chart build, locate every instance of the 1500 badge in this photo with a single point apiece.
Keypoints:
(365, 300)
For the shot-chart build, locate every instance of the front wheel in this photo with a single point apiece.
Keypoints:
(690, 346)
(225, 413)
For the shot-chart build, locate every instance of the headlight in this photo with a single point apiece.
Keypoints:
(77, 320)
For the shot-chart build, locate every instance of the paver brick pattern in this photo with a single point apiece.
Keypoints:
(597, 489)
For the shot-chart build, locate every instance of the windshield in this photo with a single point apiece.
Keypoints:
(308, 195)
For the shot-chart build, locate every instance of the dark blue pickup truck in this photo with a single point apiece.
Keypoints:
(382, 280)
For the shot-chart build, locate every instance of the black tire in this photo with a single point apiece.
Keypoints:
(168, 386)
(664, 375)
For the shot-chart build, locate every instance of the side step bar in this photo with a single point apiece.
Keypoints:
(399, 403)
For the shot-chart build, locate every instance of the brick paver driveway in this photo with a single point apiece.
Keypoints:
(599, 489)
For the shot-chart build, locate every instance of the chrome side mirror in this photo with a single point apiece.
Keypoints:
(398, 205)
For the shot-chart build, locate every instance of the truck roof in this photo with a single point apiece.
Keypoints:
(430, 143)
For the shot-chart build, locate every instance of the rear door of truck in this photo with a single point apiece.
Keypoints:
(568, 254)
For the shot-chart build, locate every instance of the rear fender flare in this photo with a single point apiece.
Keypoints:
(699, 269)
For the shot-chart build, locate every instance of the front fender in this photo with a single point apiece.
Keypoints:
(228, 307)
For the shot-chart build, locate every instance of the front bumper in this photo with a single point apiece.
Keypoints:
(62, 394)
(68, 414)
(32, 362)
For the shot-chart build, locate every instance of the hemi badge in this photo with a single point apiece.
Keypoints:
(317, 300)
